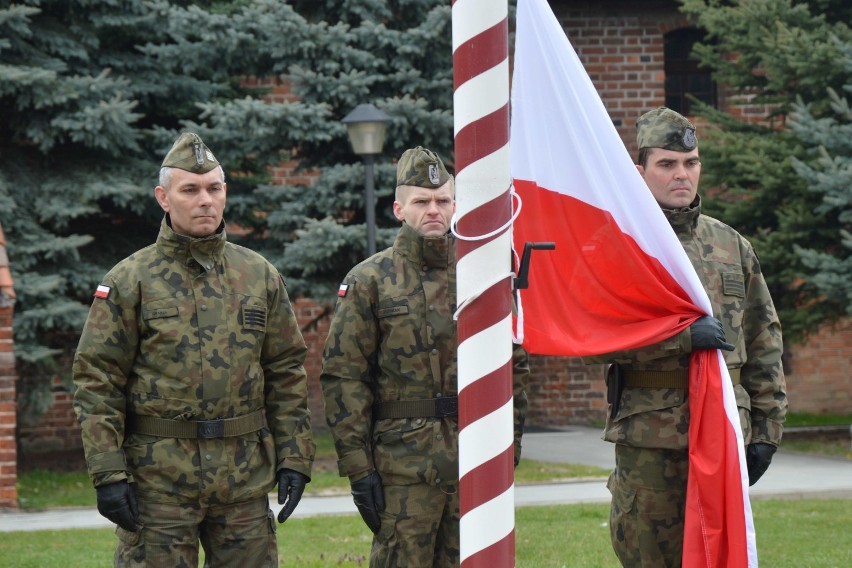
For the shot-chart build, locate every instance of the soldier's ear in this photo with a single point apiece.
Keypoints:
(162, 197)
(397, 211)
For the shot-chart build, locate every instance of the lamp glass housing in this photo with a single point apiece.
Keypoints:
(367, 137)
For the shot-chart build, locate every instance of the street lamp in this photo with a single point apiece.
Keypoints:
(366, 127)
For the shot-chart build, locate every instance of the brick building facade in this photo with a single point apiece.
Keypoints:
(8, 410)
(621, 46)
(626, 47)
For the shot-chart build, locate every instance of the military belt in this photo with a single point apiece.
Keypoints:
(424, 408)
(666, 379)
(204, 429)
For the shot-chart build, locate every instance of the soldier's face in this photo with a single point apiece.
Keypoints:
(195, 202)
(672, 177)
(427, 211)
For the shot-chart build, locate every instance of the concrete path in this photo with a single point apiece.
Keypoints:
(793, 476)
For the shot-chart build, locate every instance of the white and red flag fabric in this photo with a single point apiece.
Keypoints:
(618, 278)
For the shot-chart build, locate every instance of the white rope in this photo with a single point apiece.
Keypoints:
(455, 219)
(470, 299)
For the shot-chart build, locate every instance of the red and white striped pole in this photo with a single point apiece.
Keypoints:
(483, 221)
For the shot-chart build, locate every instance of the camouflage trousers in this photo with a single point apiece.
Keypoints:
(648, 489)
(237, 534)
(420, 528)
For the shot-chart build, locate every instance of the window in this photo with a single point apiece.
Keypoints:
(683, 76)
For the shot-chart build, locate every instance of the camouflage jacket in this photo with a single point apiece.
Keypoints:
(730, 273)
(192, 329)
(393, 337)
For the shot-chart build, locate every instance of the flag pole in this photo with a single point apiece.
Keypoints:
(483, 227)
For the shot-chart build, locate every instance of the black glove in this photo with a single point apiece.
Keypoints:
(707, 333)
(369, 497)
(291, 485)
(758, 457)
(117, 502)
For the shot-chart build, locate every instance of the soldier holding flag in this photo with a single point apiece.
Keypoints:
(649, 408)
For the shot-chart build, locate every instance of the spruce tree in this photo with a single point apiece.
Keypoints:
(829, 176)
(94, 93)
(396, 55)
(782, 180)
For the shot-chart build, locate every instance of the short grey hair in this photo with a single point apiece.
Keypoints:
(166, 176)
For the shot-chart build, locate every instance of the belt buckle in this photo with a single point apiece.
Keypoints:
(211, 429)
(447, 406)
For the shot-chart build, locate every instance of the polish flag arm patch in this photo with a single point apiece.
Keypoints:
(341, 292)
(102, 291)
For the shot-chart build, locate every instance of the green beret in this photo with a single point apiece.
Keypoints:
(666, 129)
(189, 153)
(422, 168)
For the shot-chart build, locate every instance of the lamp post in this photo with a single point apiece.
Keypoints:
(366, 128)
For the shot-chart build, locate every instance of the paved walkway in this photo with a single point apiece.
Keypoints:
(791, 476)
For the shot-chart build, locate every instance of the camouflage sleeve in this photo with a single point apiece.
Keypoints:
(102, 364)
(286, 384)
(762, 375)
(520, 382)
(678, 344)
(349, 359)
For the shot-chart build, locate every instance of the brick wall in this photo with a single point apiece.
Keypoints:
(314, 321)
(52, 440)
(621, 46)
(819, 371)
(8, 417)
(564, 391)
(8, 408)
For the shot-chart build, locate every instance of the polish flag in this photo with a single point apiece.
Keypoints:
(618, 278)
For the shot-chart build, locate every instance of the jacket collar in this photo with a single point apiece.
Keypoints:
(206, 251)
(430, 252)
(684, 219)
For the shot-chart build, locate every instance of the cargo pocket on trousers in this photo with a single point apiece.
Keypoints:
(385, 549)
(272, 548)
(128, 538)
(273, 522)
(622, 517)
(131, 548)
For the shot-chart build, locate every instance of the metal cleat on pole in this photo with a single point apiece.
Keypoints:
(522, 281)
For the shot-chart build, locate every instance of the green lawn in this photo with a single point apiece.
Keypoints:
(803, 419)
(797, 534)
(829, 445)
(805, 533)
(42, 489)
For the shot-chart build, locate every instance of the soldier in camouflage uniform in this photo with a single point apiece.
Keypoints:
(649, 409)
(190, 386)
(390, 378)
